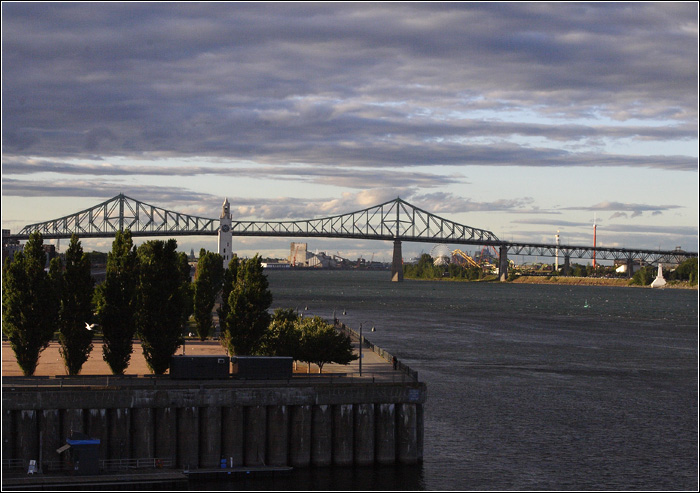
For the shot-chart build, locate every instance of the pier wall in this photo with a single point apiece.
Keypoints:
(195, 425)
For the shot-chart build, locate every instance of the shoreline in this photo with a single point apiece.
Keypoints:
(571, 281)
(595, 281)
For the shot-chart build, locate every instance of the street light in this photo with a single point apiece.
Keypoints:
(361, 342)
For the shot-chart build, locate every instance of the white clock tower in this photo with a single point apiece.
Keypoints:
(225, 234)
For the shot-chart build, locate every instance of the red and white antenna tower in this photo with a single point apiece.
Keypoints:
(594, 239)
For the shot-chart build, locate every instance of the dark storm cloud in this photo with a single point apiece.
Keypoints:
(347, 85)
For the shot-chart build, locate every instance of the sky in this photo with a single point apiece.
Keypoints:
(523, 119)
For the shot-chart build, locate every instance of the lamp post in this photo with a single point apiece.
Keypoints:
(360, 348)
(361, 343)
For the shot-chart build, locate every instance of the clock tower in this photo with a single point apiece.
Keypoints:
(225, 234)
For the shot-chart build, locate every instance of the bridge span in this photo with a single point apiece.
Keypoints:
(395, 220)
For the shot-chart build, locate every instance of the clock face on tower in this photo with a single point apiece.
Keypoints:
(225, 228)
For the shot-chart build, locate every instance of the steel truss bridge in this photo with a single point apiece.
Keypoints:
(392, 220)
(396, 220)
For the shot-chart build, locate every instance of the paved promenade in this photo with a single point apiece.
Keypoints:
(51, 364)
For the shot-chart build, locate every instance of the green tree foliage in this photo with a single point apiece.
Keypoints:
(320, 343)
(247, 319)
(644, 276)
(282, 337)
(230, 276)
(687, 271)
(424, 269)
(578, 270)
(29, 304)
(163, 301)
(115, 300)
(75, 308)
(207, 285)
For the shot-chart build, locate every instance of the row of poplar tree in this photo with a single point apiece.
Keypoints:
(148, 293)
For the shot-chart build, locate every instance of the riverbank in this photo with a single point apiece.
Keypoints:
(594, 281)
(566, 281)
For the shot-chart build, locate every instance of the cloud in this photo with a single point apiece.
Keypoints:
(160, 196)
(338, 176)
(619, 207)
(359, 86)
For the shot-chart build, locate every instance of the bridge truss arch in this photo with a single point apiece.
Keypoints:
(393, 220)
(120, 213)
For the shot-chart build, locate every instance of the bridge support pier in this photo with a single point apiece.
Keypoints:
(397, 263)
(630, 268)
(503, 264)
(567, 265)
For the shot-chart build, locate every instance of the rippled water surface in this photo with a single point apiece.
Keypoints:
(527, 387)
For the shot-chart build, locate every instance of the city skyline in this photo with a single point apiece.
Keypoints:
(522, 119)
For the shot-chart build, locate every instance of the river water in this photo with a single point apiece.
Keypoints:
(529, 386)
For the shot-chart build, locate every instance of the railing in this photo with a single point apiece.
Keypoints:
(105, 464)
(143, 463)
(155, 381)
(404, 369)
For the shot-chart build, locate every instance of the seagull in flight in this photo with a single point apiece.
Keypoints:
(89, 326)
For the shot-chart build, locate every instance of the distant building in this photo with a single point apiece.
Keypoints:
(298, 254)
(276, 265)
(50, 251)
(621, 266)
(9, 246)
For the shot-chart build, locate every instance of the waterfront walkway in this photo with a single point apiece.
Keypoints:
(51, 364)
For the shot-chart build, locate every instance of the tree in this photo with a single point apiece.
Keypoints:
(282, 337)
(207, 285)
(115, 300)
(247, 318)
(686, 271)
(75, 307)
(644, 276)
(163, 301)
(29, 304)
(321, 343)
(230, 276)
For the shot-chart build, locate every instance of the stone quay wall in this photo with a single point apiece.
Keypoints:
(196, 424)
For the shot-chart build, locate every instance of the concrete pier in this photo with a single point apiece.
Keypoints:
(166, 433)
(119, 444)
(188, 437)
(277, 435)
(255, 435)
(397, 263)
(342, 435)
(503, 263)
(232, 429)
(321, 432)
(407, 440)
(385, 433)
(300, 422)
(363, 416)
(300, 436)
(143, 439)
(210, 437)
